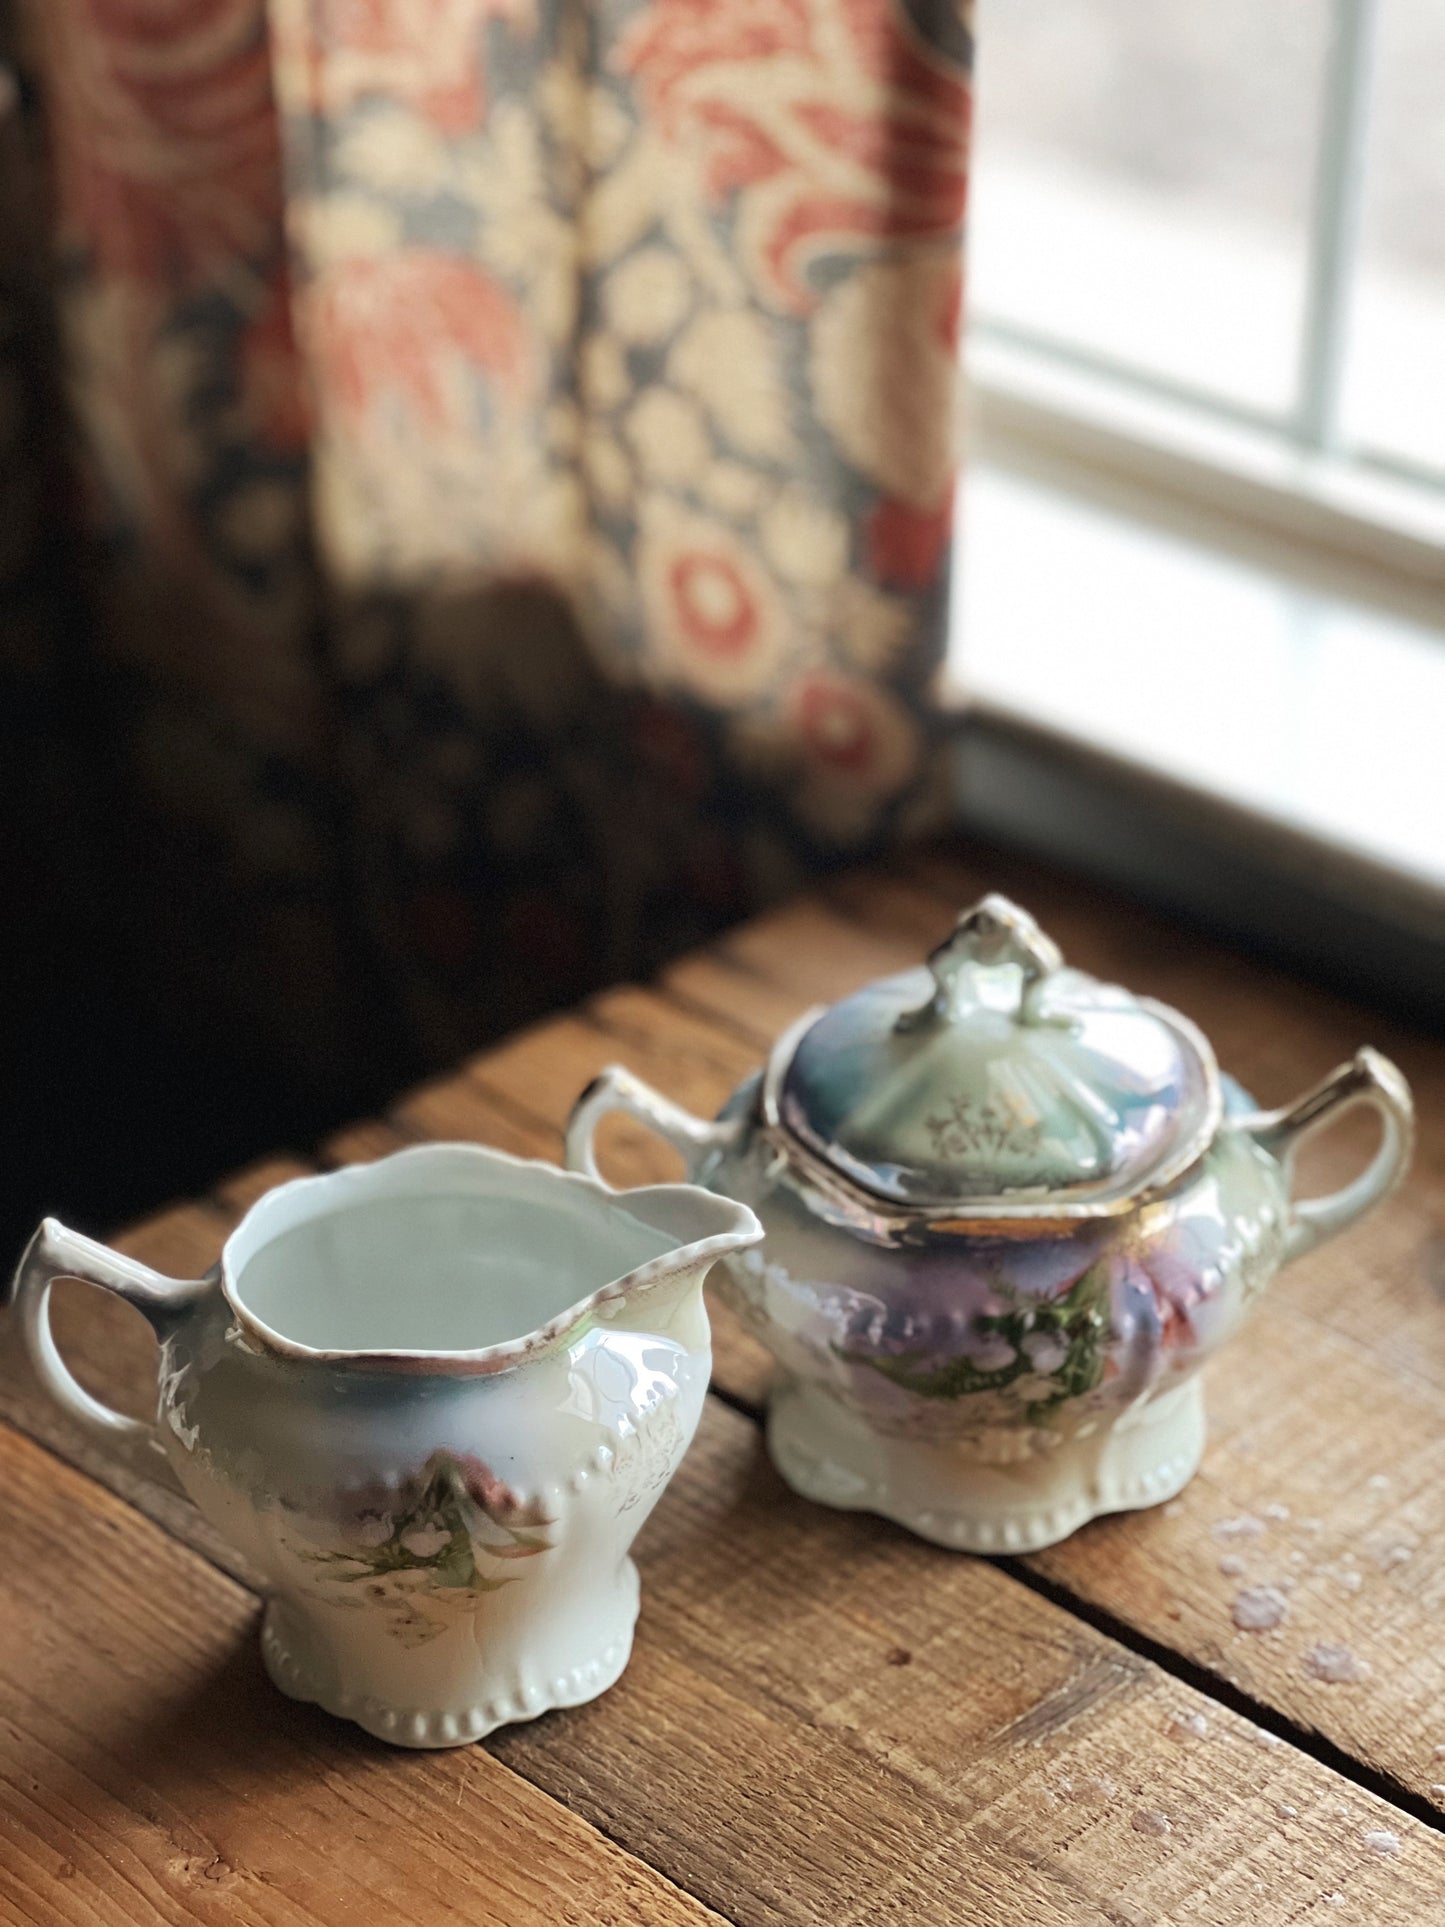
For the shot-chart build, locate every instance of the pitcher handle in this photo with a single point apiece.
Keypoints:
(57, 1252)
(616, 1089)
(1369, 1078)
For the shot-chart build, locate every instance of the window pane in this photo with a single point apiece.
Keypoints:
(1142, 181)
(1394, 393)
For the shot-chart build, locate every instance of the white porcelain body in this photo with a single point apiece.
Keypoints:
(443, 1530)
(994, 1386)
(993, 1394)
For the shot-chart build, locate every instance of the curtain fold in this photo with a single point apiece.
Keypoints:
(521, 438)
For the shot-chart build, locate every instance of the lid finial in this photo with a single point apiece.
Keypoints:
(990, 935)
(997, 1079)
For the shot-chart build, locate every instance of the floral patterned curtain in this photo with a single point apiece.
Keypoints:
(521, 436)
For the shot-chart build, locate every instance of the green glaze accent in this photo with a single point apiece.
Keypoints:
(1080, 1318)
(998, 1076)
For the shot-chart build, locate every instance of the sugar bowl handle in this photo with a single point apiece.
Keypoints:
(616, 1089)
(1369, 1079)
(57, 1252)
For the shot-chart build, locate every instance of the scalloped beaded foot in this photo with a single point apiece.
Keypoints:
(830, 1457)
(450, 1726)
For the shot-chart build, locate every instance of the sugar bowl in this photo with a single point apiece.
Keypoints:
(1009, 1212)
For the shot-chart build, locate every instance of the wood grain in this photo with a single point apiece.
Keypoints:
(360, 1142)
(150, 1773)
(241, 1189)
(827, 1722)
(451, 1107)
(824, 1723)
(1328, 1429)
(1327, 1415)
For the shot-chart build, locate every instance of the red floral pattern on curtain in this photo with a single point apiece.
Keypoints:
(834, 125)
(526, 436)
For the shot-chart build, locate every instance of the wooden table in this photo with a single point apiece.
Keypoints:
(824, 1721)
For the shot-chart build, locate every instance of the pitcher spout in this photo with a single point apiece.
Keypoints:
(704, 1228)
(705, 1225)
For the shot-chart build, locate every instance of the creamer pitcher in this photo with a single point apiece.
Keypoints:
(431, 1400)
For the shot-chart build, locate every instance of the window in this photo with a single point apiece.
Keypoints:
(1234, 212)
(1199, 623)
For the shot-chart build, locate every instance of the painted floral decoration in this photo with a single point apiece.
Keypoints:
(449, 1534)
(1049, 1352)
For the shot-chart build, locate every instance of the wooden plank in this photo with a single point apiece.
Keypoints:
(359, 1143)
(826, 1722)
(1173, 1590)
(458, 1107)
(695, 1043)
(1327, 1415)
(871, 1730)
(811, 950)
(150, 1773)
(241, 1190)
(542, 1072)
(455, 1107)
(706, 982)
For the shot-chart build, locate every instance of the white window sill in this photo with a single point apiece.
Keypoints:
(1101, 654)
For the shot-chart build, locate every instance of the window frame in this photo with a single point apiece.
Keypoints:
(1295, 470)
(1292, 491)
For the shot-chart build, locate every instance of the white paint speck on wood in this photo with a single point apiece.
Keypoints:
(1246, 1526)
(1337, 1665)
(1257, 1609)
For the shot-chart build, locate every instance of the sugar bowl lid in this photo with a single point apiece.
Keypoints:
(998, 1080)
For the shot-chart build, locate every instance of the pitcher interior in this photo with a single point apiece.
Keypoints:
(437, 1273)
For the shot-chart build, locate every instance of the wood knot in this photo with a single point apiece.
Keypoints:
(197, 1866)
